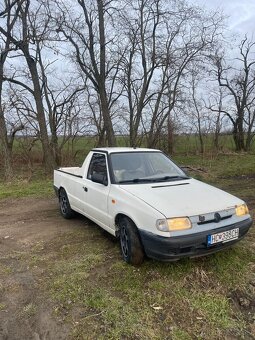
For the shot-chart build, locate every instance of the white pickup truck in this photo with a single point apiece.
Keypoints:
(142, 197)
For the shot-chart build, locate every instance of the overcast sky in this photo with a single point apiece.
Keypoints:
(241, 13)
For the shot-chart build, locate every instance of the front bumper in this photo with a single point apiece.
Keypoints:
(192, 245)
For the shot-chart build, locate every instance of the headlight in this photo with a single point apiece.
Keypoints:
(173, 224)
(242, 210)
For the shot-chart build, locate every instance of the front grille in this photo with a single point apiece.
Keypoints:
(214, 220)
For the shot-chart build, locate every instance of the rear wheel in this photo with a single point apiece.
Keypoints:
(64, 205)
(130, 244)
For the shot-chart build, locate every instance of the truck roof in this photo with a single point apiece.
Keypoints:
(123, 149)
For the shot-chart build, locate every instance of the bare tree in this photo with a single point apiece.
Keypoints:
(142, 23)
(164, 39)
(24, 43)
(59, 105)
(215, 104)
(198, 114)
(239, 82)
(94, 54)
(9, 12)
(53, 105)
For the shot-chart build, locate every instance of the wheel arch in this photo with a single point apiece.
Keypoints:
(61, 188)
(119, 216)
(117, 219)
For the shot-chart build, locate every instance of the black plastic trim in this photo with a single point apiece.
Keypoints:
(102, 151)
(112, 179)
(69, 173)
(169, 185)
(192, 245)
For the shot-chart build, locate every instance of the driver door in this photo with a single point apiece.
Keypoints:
(96, 206)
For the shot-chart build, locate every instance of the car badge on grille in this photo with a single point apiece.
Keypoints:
(217, 217)
(201, 218)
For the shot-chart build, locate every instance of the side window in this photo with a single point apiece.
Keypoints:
(97, 166)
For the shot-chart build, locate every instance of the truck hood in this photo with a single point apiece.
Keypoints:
(182, 198)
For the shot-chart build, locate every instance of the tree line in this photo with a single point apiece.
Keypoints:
(144, 68)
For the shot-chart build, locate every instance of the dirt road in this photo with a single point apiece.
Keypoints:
(25, 225)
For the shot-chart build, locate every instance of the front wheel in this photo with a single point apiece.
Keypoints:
(130, 244)
(64, 205)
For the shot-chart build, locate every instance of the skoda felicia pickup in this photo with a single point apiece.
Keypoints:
(143, 198)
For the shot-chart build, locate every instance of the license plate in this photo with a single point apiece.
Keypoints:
(223, 237)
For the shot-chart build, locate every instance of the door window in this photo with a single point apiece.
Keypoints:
(97, 166)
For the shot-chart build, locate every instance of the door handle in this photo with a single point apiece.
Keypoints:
(85, 189)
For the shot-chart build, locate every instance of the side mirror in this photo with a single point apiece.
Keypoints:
(99, 178)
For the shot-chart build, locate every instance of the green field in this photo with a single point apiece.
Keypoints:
(212, 167)
(28, 165)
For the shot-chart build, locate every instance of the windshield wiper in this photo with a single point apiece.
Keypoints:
(149, 180)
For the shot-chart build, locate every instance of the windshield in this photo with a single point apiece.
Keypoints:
(142, 167)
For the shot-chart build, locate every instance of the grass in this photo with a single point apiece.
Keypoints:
(23, 188)
(182, 300)
(29, 310)
(2, 306)
(212, 307)
(240, 258)
(4, 270)
(179, 334)
(221, 165)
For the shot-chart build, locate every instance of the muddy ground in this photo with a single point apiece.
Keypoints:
(24, 224)
(31, 228)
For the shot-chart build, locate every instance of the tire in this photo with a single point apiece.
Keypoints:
(64, 205)
(130, 244)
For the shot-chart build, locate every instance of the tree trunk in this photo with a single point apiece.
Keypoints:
(170, 136)
(250, 132)
(201, 141)
(49, 161)
(216, 141)
(55, 148)
(132, 135)
(216, 134)
(249, 138)
(101, 138)
(238, 135)
(111, 140)
(7, 151)
(240, 132)
(237, 140)
(248, 143)
(102, 87)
